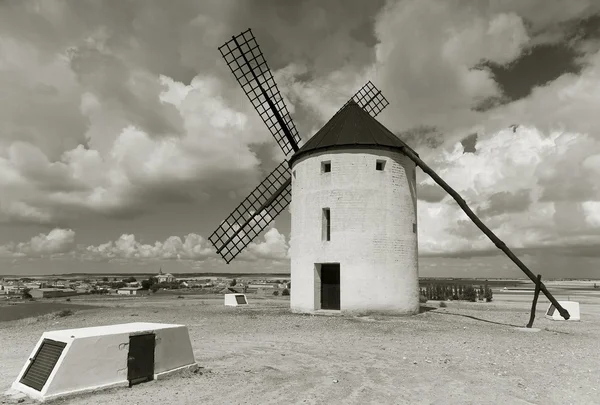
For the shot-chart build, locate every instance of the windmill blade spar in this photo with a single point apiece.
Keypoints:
(247, 63)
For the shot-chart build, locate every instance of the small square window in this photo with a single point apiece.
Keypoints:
(379, 165)
(326, 167)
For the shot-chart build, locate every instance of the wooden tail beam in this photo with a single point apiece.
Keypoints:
(499, 244)
(535, 298)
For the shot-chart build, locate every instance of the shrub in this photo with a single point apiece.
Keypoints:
(469, 293)
(443, 304)
(488, 295)
(154, 288)
(275, 292)
(285, 292)
(25, 294)
(68, 299)
(64, 312)
(180, 296)
(422, 299)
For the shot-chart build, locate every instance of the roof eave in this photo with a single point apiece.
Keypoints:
(301, 154)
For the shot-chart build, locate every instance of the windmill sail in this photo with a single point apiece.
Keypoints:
(254, 214)
(370, 99)
(247, 63)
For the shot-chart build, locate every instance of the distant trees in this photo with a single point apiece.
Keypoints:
(25, 293)
(129, 280)
(105, 279)
(445, 291)
(117, 284)
(487, 292)
(469, 293)
(153, 285)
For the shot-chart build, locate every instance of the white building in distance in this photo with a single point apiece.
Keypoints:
(165, 278)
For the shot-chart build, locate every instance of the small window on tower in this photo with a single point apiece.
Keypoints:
(326, 224)
(326, 167)
(379, 165)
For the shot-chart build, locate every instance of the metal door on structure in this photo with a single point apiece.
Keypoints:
(140, 360)
(330, 286)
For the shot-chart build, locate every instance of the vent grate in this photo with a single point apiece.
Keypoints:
(42, 364)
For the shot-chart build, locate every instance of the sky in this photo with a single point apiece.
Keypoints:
(125, 139)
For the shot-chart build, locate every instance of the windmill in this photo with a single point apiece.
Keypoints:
(248, 65)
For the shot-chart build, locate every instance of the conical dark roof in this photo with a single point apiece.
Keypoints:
(350, 127)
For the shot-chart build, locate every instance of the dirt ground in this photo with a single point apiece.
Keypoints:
(466, 353)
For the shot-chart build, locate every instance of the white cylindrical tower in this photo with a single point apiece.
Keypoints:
(354, 219)
(354, 213)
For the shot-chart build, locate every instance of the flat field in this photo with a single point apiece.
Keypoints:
(466, 353)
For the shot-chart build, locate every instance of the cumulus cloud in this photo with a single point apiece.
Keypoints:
(514, 181)
(136, 167)
(431, 48)
(274, 247)
(121, 110)
(192, 247)
(56, 242)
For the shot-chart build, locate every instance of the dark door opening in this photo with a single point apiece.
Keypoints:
(330, 286)
(140, 360)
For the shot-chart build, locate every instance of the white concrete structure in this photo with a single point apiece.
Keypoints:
(571, 306)
(131, 291)
(88, 359)
(235, 300)
(354, 220)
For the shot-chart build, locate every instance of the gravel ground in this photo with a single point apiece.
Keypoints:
(467, 353)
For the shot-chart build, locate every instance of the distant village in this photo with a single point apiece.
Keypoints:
(54, 287)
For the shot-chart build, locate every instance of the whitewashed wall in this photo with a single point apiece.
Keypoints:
(96, 357)
(372, 237)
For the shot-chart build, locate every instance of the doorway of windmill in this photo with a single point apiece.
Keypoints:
(330, 286)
